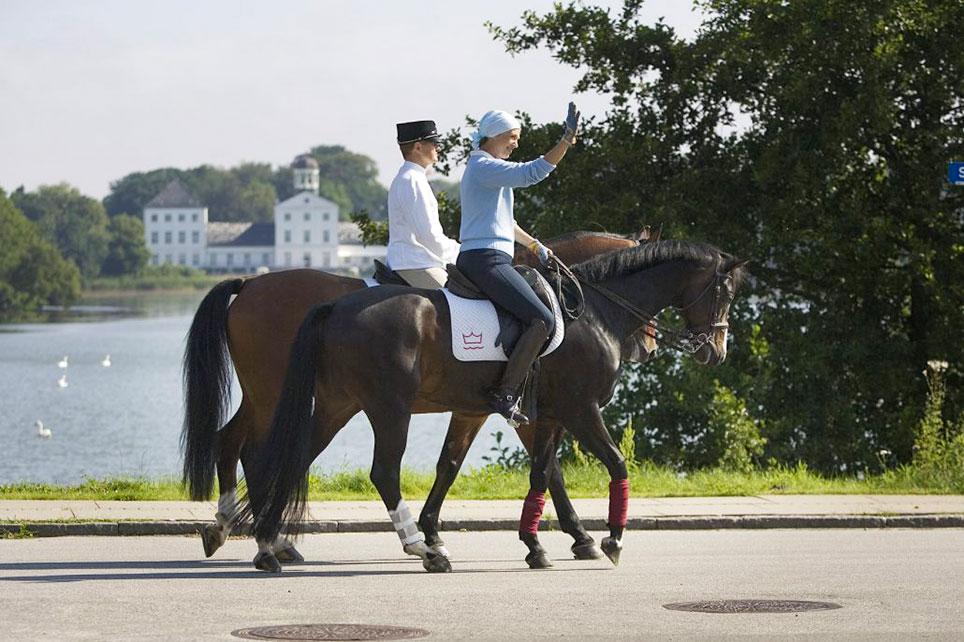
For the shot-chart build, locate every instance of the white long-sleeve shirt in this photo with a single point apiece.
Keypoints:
(415, 237)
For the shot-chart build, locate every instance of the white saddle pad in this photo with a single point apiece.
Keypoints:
(475, 326)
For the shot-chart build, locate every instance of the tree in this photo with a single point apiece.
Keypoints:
(126, 251)
(356, 174)
(76, 224)
(32, 272)
(831, 181)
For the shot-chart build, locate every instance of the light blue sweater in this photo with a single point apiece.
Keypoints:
(486, 196)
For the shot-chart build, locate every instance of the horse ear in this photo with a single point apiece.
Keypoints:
(644, 234)
(733, 263)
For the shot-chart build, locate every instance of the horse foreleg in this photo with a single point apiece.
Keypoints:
(589, 428)
(542, 454)
(462, 432)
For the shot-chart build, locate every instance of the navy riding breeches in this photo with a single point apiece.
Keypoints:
(492, 272)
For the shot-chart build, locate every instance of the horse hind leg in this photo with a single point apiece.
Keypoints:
(230, 440)
(391, 434)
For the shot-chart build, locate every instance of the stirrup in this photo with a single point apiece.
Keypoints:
(507, 405)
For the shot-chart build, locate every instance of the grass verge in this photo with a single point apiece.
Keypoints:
(582, 480)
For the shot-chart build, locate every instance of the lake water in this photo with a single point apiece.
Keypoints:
(125, 419)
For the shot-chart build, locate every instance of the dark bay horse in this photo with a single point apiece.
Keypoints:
(256, 332)
(403, 335)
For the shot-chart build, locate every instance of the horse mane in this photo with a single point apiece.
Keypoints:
(647, 255)
(579, 234)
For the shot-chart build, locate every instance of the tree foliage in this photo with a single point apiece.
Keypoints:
(811, 137)
(74, 223)
(126, 251)
(32, 271)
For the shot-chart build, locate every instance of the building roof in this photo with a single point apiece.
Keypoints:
(304, 161)
(240, 234)
(174, 194)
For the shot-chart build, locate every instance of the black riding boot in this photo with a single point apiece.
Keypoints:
(505, 396)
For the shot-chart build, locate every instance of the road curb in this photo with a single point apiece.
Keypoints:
(177, 527)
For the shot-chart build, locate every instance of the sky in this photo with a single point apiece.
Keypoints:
(91, 91)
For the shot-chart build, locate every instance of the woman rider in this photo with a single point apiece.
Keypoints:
(488, 234)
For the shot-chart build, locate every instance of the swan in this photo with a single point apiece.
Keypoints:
(106, 362)
(62, 363)
(43, 433)
(62, 382)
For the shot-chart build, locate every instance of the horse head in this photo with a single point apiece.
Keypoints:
(705, 307)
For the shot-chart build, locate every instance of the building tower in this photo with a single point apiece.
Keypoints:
(307, 176)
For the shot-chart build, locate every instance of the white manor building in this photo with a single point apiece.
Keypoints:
(305, 233)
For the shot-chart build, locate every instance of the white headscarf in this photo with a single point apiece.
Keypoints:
(494, 122)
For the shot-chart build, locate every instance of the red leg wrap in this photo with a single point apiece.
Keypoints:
(618, 502)
(532, 512)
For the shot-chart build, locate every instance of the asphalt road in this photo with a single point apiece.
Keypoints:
(891, 583)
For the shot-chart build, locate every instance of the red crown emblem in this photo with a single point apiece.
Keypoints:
(472, 339)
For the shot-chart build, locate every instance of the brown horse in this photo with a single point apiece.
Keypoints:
(256, 332)
(404, 335)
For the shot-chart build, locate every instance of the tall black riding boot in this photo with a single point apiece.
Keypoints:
(505, 396)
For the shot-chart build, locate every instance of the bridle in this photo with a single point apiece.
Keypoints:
(689, 340)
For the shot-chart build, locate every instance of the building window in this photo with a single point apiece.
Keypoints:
(167, 218)
(213, 260)
(153, 218)
(168, 258)
(327, 259)
(307, 259)
(195, 237)
(265, 259)
(154, 237)
(230, 259)
(180, 218)
(327, 236)
(325, 217)
(194, 218)
(247, 259)
(182, 259)
(287, 216)
(156, 260)
(307, 236)
(307, 200)
(167, 237)
(287, 259)
(307, 216)
(181, 237)
(287, 236)
(195, 259)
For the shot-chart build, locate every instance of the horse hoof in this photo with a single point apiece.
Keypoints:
(587, 551)
(441, 550)
(538, 559)
(289, 554)
(211, 539)
(267, 562)
(612, 547)
(436, 563)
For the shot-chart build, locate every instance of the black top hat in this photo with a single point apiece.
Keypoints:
(416, 131)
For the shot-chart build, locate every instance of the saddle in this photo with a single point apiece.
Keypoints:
(387, 276)
(510, 328)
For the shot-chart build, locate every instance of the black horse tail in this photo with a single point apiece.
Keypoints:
(283, 461)
(207, 387)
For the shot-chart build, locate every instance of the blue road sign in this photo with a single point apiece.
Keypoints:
(955, 173)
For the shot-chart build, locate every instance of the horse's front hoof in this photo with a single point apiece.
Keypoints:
(211, 539)
(267, 562)
(441, 550)
(587, 551)
(612, 547)
(435, 563)
(289, 554)
(538, 559)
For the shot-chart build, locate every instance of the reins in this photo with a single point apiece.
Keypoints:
(688, 341)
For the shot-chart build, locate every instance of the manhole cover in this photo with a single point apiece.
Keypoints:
(751, 606)
(330, 632)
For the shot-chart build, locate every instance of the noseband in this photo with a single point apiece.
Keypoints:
(689, 340)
